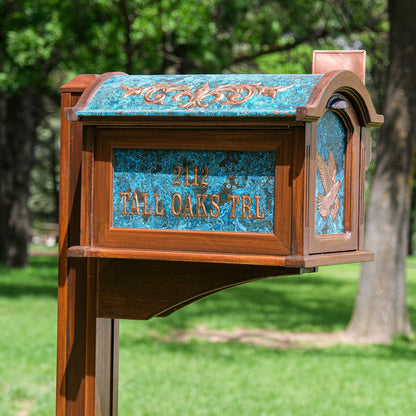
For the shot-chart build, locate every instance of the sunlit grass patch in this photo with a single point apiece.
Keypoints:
(165, 377)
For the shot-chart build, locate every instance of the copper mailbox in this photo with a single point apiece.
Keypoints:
(253, 169)
(176, 187)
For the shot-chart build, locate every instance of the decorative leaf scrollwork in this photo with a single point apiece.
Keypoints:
(190, 97)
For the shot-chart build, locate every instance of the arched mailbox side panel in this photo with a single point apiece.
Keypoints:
(334, 199)
(340, 113)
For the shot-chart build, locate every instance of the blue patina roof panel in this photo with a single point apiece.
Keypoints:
(249, 95)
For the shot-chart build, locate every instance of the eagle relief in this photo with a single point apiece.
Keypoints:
(329, 203)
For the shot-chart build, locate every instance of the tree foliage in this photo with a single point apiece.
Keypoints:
(47, 42)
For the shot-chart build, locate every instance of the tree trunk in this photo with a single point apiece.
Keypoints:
(55, 175)
(19, 116)
(412, 221)
(380, 311)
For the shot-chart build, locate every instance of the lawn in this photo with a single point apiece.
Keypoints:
(162, 377)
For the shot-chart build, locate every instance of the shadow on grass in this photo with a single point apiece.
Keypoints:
(400, 350)
(16, 291)
(39, 279)
(48, 263)
(284, 303)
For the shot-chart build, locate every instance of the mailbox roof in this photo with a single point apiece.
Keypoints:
(199, 95)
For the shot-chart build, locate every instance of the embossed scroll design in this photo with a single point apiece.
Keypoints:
(229, 94)
(328, 203)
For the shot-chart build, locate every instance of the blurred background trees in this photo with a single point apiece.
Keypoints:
(45, 43)
(380, 309)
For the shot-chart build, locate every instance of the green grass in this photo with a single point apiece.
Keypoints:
(232, 379)
(199, 378)
(28, 338)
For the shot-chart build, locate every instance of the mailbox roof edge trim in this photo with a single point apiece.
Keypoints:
(222, 95)
(71, 113)
(348, 84)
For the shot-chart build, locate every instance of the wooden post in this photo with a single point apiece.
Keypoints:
(87, 349)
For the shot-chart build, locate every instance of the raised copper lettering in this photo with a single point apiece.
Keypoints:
(200, 204)
(147, 211)
(257, 215)
(125, 197)
(195, 182)
(191, 208)
(134, 205)
(246, 207)
(177, 169)
(187, 210)
(205, 171)
(176, 200)
(234, 201)
(186, 181)
(215, 199)
(158, 210)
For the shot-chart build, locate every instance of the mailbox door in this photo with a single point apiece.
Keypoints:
(335, 180)
(181, 190)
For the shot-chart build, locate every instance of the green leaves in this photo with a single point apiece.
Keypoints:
(174, 36)
(29, 45)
